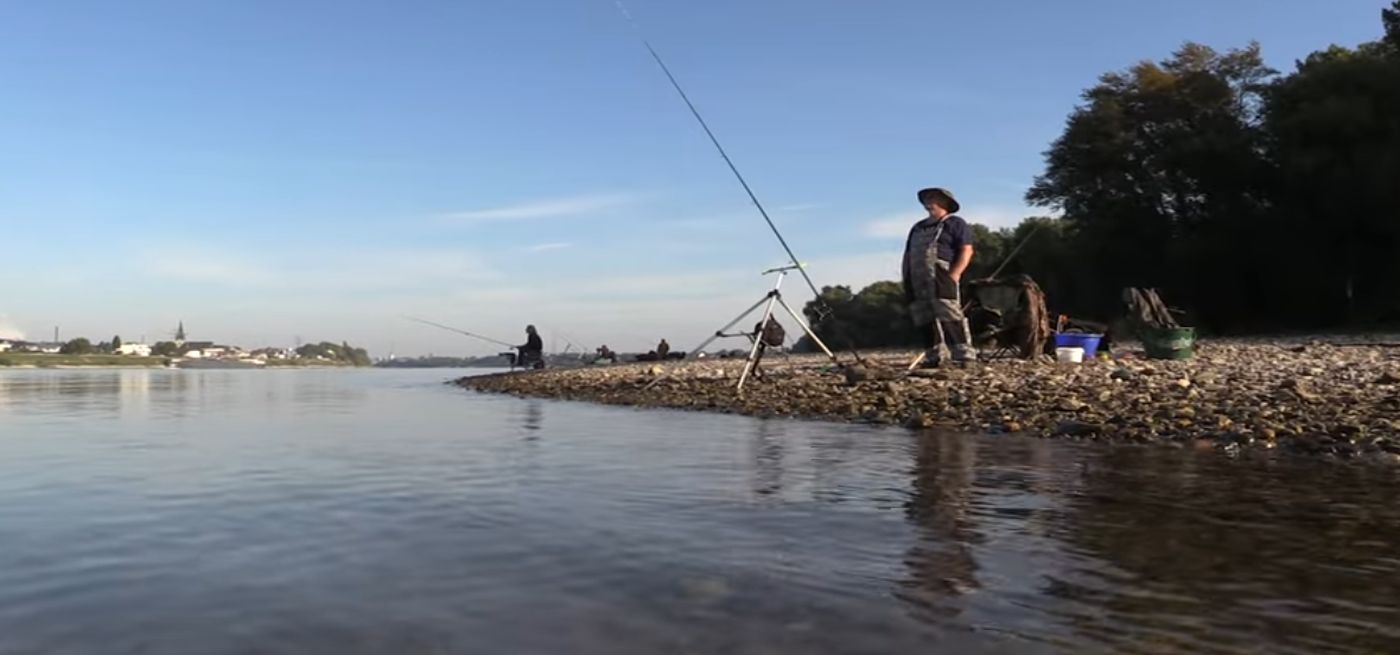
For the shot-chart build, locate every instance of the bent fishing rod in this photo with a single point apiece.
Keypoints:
(459, 331)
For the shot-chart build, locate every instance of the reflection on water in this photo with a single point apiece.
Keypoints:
(164, 393)
(383, 512)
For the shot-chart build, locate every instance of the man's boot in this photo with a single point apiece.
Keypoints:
(933, 346)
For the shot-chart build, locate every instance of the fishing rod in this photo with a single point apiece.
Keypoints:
(825, 309)
(1012, 255)
(458, 331)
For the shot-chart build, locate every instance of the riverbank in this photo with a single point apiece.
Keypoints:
(1333, 399)
(44, 360)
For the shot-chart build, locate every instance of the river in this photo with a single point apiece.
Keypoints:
(380, 511)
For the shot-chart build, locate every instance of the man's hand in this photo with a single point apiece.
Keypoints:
(964, 259)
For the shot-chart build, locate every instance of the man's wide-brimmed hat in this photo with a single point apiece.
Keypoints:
(941, 196)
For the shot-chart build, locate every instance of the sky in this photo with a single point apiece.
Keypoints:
(271, 171)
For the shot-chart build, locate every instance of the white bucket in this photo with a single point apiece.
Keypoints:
(1073, 355)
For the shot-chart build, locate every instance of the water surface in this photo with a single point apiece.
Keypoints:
(308, 511)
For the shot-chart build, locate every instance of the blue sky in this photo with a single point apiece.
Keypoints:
(267, 170)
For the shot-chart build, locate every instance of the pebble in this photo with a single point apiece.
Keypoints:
(1232, 391)
(1072, 405)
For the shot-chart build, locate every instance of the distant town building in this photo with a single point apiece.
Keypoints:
(6, 345)
(195, 349)
(134, 349)
(274, 353)
(46, 347)
(180, 334)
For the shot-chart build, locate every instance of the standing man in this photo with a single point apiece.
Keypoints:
(936, 255)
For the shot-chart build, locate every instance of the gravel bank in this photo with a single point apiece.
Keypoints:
(1328, 399)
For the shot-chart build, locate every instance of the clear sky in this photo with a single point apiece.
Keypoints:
(266, 170)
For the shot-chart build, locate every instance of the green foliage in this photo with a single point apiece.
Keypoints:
(1257, 201)
(330, 352)
(79, 346)
(1391, 19)
(165, 349)
(876, 317)
(1335, 134)
(116, 342)
(1159, 172)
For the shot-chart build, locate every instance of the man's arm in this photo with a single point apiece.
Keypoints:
(904, 271)
(960, 265)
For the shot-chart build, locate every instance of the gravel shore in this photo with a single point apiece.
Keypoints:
(1330, 399)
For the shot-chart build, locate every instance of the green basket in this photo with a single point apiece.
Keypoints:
(1169, 343)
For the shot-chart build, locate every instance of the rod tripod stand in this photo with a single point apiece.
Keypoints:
(774, 297)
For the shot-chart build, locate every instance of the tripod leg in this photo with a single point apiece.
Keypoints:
(805, 328)
(753, 351)
(718, 333)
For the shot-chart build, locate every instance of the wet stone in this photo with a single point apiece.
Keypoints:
(1257, 389)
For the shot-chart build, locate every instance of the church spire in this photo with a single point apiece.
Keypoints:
(180, 333)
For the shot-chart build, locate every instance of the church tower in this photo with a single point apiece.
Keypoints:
(180, 334)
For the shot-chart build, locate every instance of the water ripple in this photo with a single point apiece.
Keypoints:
(218, 512)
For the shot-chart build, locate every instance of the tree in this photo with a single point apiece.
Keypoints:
(1258, 201)
(1159, 173)
(360, 357)
(1391, 19)
(116, 343)
(877, 317)
(79, 346)
(1334, 128)
(165, 349)
(990, 249)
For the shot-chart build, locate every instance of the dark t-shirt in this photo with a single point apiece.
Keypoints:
(533, 343)
(956, 234)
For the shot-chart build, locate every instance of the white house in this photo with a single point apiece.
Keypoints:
(136, 349)
(6, 345)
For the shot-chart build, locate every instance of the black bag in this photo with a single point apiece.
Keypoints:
(774, 334)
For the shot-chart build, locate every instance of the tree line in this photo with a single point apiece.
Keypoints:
(1255, 200)
(342, 352)
(85, 346)
(325, 350)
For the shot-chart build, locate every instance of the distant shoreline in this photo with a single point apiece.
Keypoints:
(28, 361)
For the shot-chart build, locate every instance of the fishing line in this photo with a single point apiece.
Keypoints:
(459, 331)
(824, 308)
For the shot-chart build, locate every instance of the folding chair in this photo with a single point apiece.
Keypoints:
(1008, 317)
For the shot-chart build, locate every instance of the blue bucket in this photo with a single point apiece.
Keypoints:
(1089, 342)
